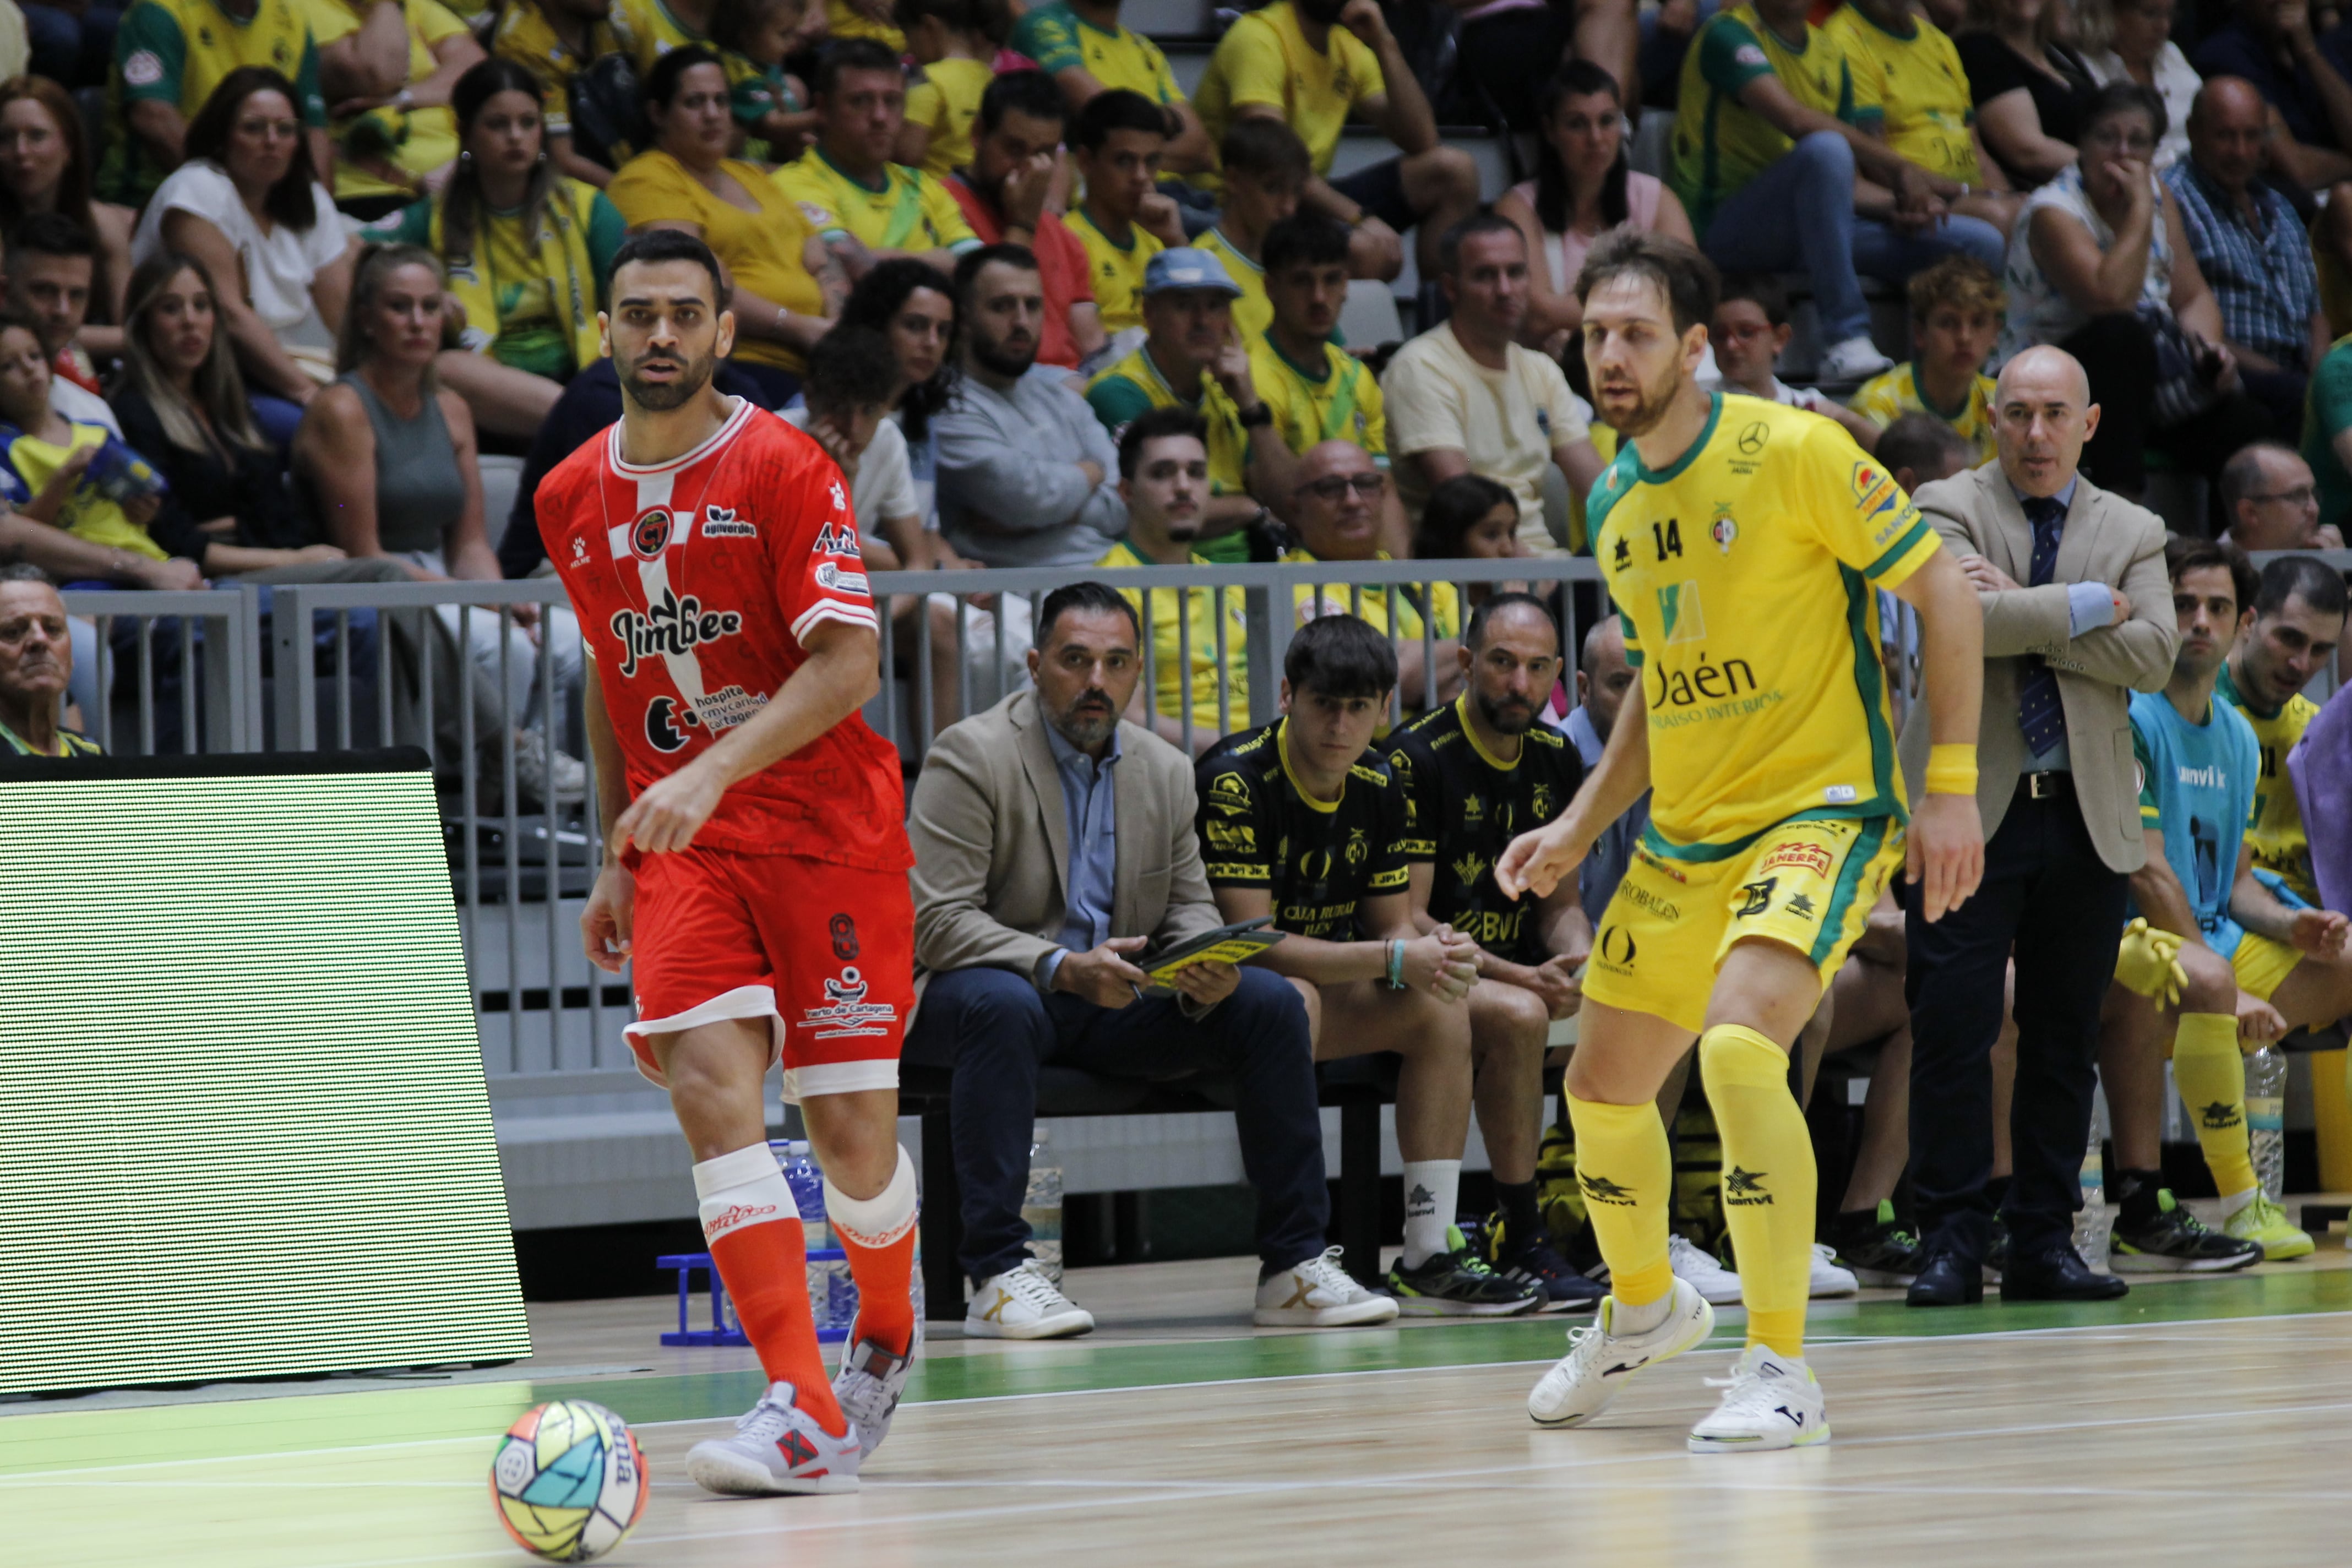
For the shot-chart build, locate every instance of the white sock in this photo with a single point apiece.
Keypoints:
(1625, 1319)
(1432, 1189)
(2232, 1202)
(745, 1187)
(874, 1223)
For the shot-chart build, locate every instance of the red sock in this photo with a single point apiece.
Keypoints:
(754, 1234)
(878, 1236)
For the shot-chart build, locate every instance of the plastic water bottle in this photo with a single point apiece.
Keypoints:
(1041, 1210)
(2093, 1224)
(2266, 1119)
(832, 1296)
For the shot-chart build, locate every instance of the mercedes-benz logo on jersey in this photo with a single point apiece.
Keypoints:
(649, 535)
(673, 627)
(1753, 439)
(664, 717)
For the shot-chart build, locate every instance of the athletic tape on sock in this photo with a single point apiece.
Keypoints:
(746, 1187)
(877, 1221)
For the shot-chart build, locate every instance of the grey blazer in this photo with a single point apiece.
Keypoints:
(992, 842)
(2106, 540)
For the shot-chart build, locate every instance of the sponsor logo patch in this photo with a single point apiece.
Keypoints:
(846, 1011)
(675, 626)
(829, 575)
(649, 535)
(144, 69)
(1811, 856)
(721, 522)
(834, 539)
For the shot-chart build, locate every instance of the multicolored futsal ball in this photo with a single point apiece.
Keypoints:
(569, 1481)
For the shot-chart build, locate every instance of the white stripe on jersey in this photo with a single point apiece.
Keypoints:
(654, 488)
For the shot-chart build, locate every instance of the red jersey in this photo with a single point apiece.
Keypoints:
(695, 582)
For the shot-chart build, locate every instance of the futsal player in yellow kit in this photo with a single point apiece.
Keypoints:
(1744, 544)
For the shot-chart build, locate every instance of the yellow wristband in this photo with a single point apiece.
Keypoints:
(1951, 769)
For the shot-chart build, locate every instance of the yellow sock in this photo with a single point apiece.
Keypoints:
(1767, 1181)
(1627, 1172)
(2212, 1078)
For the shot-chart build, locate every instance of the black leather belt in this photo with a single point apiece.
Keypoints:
(2051, 786)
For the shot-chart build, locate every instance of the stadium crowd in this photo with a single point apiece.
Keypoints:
(270, 303)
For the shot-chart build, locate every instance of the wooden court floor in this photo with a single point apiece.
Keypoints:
(2195, 1422)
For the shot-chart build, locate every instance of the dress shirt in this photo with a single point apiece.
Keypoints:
(1089, 799)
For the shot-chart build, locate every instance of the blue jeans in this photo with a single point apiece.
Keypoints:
(997, 1030)
(1798, 215)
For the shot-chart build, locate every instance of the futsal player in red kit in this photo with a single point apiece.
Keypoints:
(755, 860)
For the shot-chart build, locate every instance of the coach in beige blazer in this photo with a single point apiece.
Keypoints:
(2065, 646)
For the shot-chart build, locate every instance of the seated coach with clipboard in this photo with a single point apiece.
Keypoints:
(1053, 845)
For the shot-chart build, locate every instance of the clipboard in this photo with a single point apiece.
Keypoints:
(1226, 944)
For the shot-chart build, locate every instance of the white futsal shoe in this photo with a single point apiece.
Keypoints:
(1699, 1268)
(1600, 1359)
(778, 1447)
(1830, 1278)
(1318, 1294)
(869, 1382)
(1768, 1402)
(1021, 1304)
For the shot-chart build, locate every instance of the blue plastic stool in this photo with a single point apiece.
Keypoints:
(718, 1334)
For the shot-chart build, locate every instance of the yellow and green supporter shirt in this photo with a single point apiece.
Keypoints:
(1057, 38)
(1335, 400)
(842, 20)
(176, 52)
(1889, 395)
(1434, 605)
(532, 305)
(26, 463)
(946, 100)
(69, 745)
(420, 139)
(1115, 271)
(524, 36)
(908, 211)
(1173, 625)
(1746, 576)
(1252, 312)
(2276, 834)
(1721, 145)
(1911, 85)
(646, 30)
(1134, 386)
(1265, 57)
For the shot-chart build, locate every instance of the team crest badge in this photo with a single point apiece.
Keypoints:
(1723, 532)
(649, 536)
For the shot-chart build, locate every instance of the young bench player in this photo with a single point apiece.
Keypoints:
(755, 867)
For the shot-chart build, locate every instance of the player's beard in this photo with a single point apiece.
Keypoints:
(661, 396)
(1653, 403)
(1512, 719)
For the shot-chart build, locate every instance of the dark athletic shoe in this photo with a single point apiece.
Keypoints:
(1533, 1262)
(2176, 1242)
(1458, 1284)
(1877, 1248)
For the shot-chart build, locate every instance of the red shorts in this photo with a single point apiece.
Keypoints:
(826, 953)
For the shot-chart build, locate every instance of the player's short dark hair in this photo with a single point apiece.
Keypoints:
(850, 368)
(1474, 636)
(653, 245)
(661, 82)
(1342, 656)
(1687, 279)
(1921, 442)
(1760, 289)
(1154, 425)
(2312, 580)
(1303, 237)
(26, 572)
(1267, 150)
(1033, 93)
(1456, 507)
(1486, 220)
(851, 55)
(1117, 109)
(2184, 555)
(969, 264)
(1083, 595)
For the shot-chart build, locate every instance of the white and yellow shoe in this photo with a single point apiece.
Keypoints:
(1768, 1402)
(1021, 1304)
(2263, 1223)
(1600, 1359)
(1318, 1293)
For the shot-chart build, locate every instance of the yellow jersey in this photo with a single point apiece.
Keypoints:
(1913, 84)
(910, 211)
(1209, 670)
(842, 20)
(1336, 400)
(1264, 57)
(177, 52)
(1252, 312)
(427, 138)
(765, 250)
(523, 36)
(1746, 576)
(1134, 384)
(1116, 270)
(1443, 605)
(1719, 144)
(1888, 396)
(644, 31)
(27, 463)
(1057, 38)
(946, 99)
(2276, 835)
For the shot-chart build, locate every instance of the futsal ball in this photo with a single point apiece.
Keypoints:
(569, 1480)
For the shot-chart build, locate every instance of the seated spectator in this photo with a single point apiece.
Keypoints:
(1476, 774)
(1015, 161)
(528, 251)
(1956, 310)
(2251, 249)
(1749, 331)
(913, 306)
(1265, 169)
(52, 265)
(2100, 267)
(2032, 91)
(785, 286)
(2306, 83)
(1471, 518)
(1466, 397)
(2271, 501)
(44, 168)
(36, 662)
(43, 473)
(2297, 625)
(1317, 391)
(1200, 687)
(2327, 435)
(2139, 48)
(1910, 91)
(65, 559)
(1603, 676)
(1085, 50)
(1915, 449)
(954, 43)
(1303, 822)
(771, 106)
(1027, 473)
(386, 459)
(247, 203)
(1116, 142)
(162, 76)
(1299, 61)
(1030, 936)
(1768, 173)
(388, 68)
(556, 40)
(852, 378)
(1336, 515)
(865, 207)
(1583, 188)
(646, 30)
(1192, 357)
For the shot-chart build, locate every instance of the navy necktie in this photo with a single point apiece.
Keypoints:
(2039, 710)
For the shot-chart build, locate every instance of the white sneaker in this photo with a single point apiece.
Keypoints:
(778, 1447)
(1600, 1359)
(1830, 1278)
(1318, 1294)
(869, 1382)
(1021, 1304)
(546, 775)
(1856, 359)
(1768, 1402)
(1719, 1286)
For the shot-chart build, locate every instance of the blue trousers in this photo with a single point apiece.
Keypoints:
(997, 1030)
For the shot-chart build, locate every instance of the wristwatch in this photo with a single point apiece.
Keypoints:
(1256, 417)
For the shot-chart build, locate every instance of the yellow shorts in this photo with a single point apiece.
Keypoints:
(2262, 961)
(1808, 885)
